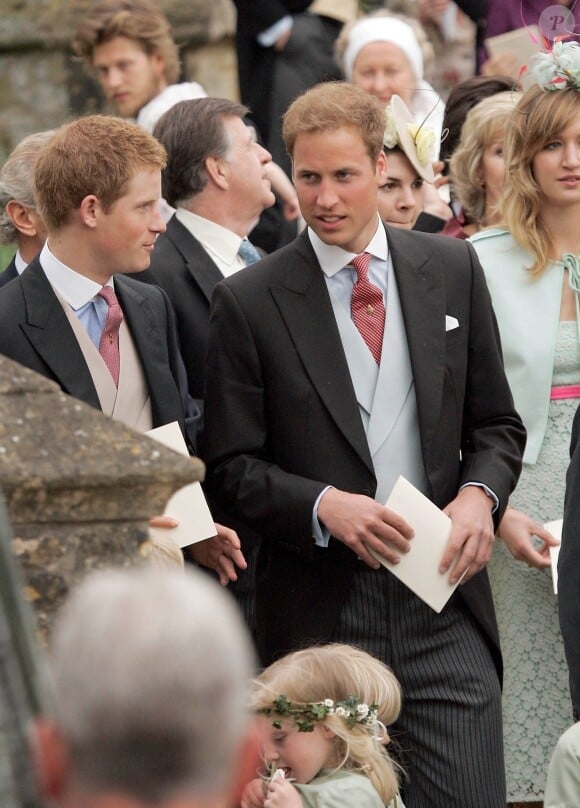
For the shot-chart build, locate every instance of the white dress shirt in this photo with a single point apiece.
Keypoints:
(79, 292)
(220, 244)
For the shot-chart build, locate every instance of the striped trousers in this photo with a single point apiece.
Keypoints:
(449, 735)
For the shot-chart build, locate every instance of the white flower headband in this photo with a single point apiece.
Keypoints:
(352, 710)
(558, 69)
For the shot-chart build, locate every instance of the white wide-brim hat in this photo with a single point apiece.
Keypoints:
(402, 117)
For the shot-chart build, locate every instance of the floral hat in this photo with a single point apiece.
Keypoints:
(559, 68)
(417, 141)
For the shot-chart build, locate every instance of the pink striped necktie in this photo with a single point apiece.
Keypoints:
(109, 344)
(367, 307)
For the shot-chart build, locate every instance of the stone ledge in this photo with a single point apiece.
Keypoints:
(61, 460)
(79, 487)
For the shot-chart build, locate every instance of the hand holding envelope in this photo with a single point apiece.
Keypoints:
(527, 540)
(192, 527)
(364, 525)
(420, 568)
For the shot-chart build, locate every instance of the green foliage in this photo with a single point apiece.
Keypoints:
(6, 255)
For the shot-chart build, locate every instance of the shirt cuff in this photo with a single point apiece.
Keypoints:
(320, 534)
(268, 37)
(491, 494)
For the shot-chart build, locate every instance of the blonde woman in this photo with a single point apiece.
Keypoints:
(533, 272)
(477, 166)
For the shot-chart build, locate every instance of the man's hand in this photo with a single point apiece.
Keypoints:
(472, 533)
(362, 524)
(516, 530)
(221, 553)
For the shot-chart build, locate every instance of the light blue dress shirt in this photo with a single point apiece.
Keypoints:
(80, 292)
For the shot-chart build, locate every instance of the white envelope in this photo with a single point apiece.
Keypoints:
(451, 323)
(188, 505)
(555, 528)
(419, 568)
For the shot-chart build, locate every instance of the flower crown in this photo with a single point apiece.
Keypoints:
(558, 69)
(352, 710)
(423, 137)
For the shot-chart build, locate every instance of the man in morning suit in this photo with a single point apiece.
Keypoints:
(216, 178)
(75, 317)
(20, 222)
(309, 423)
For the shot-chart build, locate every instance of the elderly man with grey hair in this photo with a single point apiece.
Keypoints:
(20, 222)
(150, 670)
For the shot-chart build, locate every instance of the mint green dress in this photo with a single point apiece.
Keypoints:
(536, 699)
(540, 352)
(342, 789)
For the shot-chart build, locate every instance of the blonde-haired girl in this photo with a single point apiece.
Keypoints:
(324, 712)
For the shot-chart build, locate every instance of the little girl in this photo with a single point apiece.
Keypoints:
(323, 713)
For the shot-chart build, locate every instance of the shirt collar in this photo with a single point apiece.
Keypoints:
(332, 258)
(76, 289)
(214, 237)
(19, 263)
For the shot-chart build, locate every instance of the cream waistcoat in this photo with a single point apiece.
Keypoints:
(130, 403)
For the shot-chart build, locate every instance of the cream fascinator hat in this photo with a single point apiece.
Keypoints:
(417, 141)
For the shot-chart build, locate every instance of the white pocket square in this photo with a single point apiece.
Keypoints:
(451, 323)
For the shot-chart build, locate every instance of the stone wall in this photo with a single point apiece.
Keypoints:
(79, 487)
(42, 85)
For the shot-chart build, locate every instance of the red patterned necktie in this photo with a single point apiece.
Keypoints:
(109, 344)
(367, 307)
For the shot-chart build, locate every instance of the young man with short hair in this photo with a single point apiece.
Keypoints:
(128, 46)
(354, 355)
(75, 317)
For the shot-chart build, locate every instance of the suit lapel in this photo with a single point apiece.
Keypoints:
(422, 295)
(199, 265)
(305, 306)
(142, 324)
(51, 335)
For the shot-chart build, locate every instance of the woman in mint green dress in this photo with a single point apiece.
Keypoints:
(323, 716)
(533, 273)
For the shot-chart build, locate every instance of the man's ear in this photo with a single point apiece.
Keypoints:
(50, 759)
(247, 764)
(22, 217)
(89, 210)
(158, 63)
(218, 172)
(381, 169)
